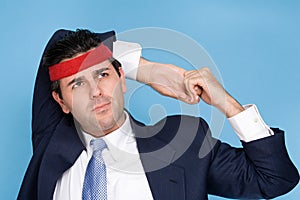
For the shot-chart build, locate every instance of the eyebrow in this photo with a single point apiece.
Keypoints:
(75, 80)
(96, 72)
(99, 71)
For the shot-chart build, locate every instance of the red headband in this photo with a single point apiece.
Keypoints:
(74, 65)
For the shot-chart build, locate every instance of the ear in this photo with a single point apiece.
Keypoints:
(61, 102)
(123, 81)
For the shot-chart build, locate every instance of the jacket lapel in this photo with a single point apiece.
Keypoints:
(62, 151)
(165, 179)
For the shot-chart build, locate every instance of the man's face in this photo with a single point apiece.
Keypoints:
(95, 98)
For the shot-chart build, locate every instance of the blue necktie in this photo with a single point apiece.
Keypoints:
(95, 183)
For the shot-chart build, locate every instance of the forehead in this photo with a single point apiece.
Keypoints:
(79, 62)
(90, 71)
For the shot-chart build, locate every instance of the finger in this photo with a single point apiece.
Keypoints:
(186, 97)
(183, 97)
(179, 94)
(190, 74)
(190, 83)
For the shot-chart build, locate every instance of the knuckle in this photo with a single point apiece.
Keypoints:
(188, 73)
(205, 71)
(206, 68)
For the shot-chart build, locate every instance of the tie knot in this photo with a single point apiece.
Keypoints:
(98, 144)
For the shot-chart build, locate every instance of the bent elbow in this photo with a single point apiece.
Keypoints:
(281, 185)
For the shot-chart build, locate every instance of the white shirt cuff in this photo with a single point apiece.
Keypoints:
(249, 125)
(128, 54)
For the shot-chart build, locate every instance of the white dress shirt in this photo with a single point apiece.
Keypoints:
(126, 178)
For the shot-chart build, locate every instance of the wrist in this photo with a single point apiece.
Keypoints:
(233, 107)
(144, 71)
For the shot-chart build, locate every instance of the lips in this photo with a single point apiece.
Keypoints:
(101, 107)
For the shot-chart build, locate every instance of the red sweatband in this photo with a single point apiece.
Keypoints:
(84, 61)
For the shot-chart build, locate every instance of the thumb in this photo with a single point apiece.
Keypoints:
(189, 97)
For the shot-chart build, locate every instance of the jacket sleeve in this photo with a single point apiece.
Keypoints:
(261, 169)
(46, 113)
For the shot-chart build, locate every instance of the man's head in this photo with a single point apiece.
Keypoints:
(71, 45)
(93, 95)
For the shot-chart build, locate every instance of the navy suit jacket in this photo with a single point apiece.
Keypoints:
(169, 152)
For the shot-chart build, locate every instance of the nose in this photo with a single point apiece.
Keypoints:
(95, 90)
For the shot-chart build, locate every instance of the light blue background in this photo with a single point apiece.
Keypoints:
(255, 45)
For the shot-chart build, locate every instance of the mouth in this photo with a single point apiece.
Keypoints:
(100, 108)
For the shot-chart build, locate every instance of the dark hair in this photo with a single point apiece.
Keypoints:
(74, 43)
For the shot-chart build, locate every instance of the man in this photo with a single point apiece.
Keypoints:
(88, 85)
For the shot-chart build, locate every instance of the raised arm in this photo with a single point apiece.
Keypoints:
(262, 168)
(167, 79)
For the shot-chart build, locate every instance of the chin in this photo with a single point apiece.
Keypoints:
(109, 125)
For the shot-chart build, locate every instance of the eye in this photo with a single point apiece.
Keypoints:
(77, 84)
(102, 75)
